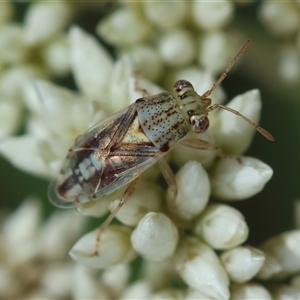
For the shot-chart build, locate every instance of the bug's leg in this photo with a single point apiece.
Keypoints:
(171, 181)
(137, 86)
(205, 145)
(168, 175)
(126, 196)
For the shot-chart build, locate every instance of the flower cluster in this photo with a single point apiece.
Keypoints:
(287, 29)
(164, 246)
(33, 257)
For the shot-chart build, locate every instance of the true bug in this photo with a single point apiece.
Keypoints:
(114, 152)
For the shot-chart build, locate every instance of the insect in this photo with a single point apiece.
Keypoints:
(115, 152)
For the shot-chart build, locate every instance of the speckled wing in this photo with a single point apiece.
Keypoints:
(108, 156)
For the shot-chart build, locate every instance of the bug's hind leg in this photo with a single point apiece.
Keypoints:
(126, 196)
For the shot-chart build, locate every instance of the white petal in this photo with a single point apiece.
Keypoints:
(90, 62)
(168, 294)
(193, 191)
(216, 50)
(250, 291)
(87, 286)
(57, 57)
(13, 80)
(10, 116)
(116, 278)
(193, 294)
(19, 233)
(271, 267)
(123, 27)
(231, 132)
(58, 234)
(30, 160)
(289, 64)
(138, 290)
(155, 237)
(242, 263)
(64, 113)
(23, 224)
(212, 15)
(147, 197)
(270, 11)
(285, 292)
(146, 60)
(12, 47)
(200, 268)
(159, 12)
(45, 19)
(123, 77)
(286, 249)
(222, 227)
(114, 248)
(233, 180)
(56, 280)
(177, 48)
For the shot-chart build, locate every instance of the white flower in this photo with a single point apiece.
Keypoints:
(200, 268)
(140, 203)
(242, 263)
(177, 48)
(44, 20)
(155, 237)
(34, 255)
(250, 291)
(114, 248)
(231, 132)
(236, 180)
(286, 11)
(285, 292)
(193, 191)
(123, 27)
(91, 64)
(285, 248)
(221, 227)
(159, 13)
(212, 15)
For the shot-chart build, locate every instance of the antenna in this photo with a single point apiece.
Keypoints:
(230, 65)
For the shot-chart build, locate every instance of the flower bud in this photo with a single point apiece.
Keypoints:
(222, 227)
(237, 180)
(114, 248)
(200, 268)
(193, 191)
(242, 263)
(155, 237)
(249, 291)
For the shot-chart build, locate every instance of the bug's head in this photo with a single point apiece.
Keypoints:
(192, 105)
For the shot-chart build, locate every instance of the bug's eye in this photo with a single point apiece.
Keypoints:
(200, 124)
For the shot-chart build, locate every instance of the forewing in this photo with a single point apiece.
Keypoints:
(105, 158)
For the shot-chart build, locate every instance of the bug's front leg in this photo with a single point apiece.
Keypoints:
(205, 145)
(126, 196)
